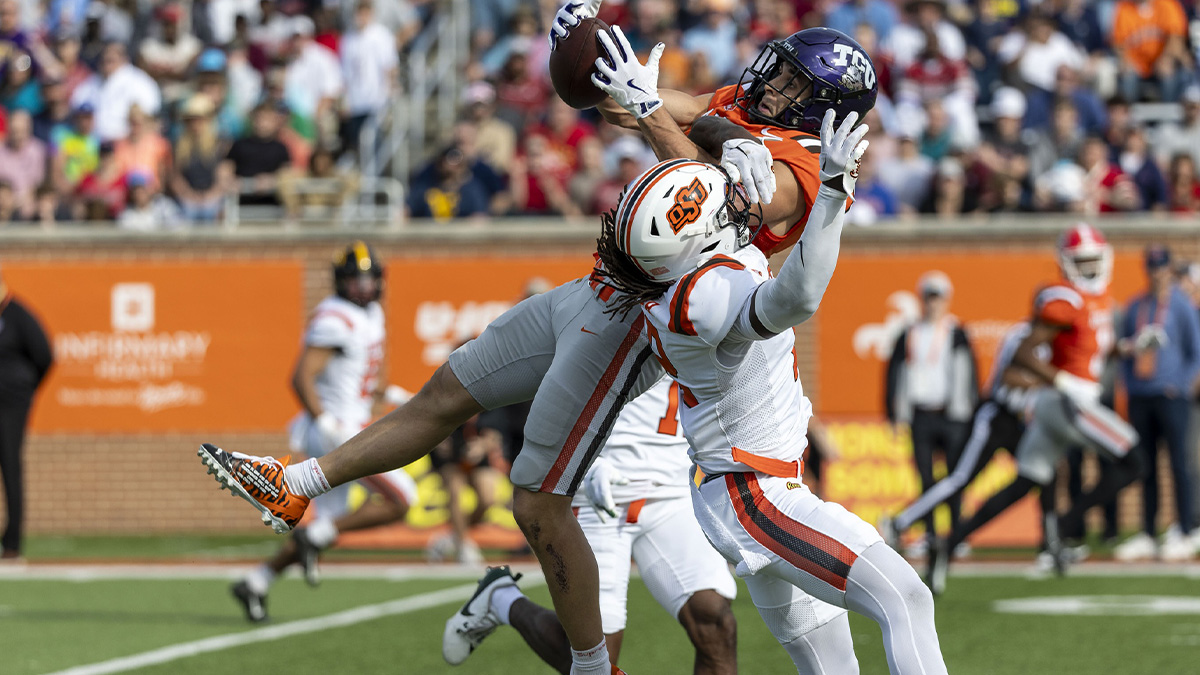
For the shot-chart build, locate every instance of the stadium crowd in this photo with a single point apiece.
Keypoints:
(152, 113)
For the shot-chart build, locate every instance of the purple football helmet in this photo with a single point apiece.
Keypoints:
(835, 72)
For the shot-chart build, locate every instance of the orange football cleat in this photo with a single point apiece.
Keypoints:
(617, 671)
(258, 480)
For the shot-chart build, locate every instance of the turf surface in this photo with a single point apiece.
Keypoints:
(52, 625)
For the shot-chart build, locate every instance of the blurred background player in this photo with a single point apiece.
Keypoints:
(635, 503)
(339, 379)
(1075, 317)
(932, 385)
(1161, 333)
(25, 358)
(466, 459)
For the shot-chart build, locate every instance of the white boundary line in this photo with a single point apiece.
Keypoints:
(292, 628)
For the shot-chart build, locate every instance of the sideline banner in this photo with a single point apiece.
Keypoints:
(152, 347)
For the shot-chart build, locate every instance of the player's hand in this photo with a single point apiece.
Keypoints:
(569, 16)
(1076, 388)
(333, 431)
(632, 85)
(597, 485)
(1150, 337)
(749, 163)
(841, 151)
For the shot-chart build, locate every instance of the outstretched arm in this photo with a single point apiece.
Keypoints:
(794, 295)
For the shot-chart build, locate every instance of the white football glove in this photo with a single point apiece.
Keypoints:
(841, 151)
(633, 86)
(569, 16)
(1151, 336)
(749, 163)
(597, 485)
(332, 430)
(1076, 388)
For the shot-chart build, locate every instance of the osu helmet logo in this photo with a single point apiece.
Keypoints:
(686, 209)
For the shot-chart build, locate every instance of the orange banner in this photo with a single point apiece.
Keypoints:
(149, 347)
(435, 305)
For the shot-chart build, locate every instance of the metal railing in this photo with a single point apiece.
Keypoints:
(358, 207)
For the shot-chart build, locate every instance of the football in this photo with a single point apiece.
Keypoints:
(574, 60)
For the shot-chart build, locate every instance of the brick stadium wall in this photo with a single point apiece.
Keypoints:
(152, 484)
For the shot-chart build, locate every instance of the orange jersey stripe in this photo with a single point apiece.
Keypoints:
(680, 322)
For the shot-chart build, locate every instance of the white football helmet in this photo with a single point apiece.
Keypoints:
(1085, 258)
(679, 213)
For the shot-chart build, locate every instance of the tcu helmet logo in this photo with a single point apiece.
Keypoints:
(686, 209)
(859, 70)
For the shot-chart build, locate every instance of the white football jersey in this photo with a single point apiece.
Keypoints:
(647, 447)
(735, 392)
(347, 384)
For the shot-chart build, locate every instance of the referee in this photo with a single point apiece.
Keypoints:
(24, 359)
(932, 385)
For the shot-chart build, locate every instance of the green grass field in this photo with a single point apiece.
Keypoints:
(48, 626)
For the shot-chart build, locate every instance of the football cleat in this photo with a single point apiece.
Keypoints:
(258, 480)
(254, 604)
(939, 565)
(475, 620)
(1054, 544)
(307, 552)
(891, 534)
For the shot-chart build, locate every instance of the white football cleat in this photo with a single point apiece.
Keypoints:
(1176, 547)
(475, 620)
(1140, 546)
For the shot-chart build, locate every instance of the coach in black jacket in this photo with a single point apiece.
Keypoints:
(932, 385)
(24, 359)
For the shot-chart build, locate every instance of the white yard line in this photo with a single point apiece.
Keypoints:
(120, 572)
(292, 628)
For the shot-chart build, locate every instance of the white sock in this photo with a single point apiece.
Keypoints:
(322, 533)
(502, 601)
(592, 661)
(259, 579)
(306, 479)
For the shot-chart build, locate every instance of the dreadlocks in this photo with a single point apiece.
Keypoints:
(619, 272)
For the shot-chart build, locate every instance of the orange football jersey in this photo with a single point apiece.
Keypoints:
(800, 151)
(1080, 349)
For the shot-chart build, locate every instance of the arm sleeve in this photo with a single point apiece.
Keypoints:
(793, 296)
(329, 330)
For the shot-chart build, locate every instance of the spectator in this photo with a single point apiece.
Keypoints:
(1183, 185)
(1106, 187)
(22, 160)
(195, 175)
(983, 36)
(101, 194)
(341, 185)
(222, 17)
(25, 358)
(1136, 162)
(1003, 157)
(714, 39)
(244, 84)
(873, 201)
(520, 96)
(920, 18)
(1172, 138)
(521, 35)
(934, 77)
(1036, 52)
(260, 159)
(272, 31)
(56, 111)
(880, 15)
(937, 140)
(401, 19)
(589, 175)
(47, 211)
(466, 137)
(369, 64)
(8, 204)
(144, 150)
(19, 90)
(629, 157)
(114, 89)
(564, 131)
(1089, 109)
(146, 210)
(931, 384)
(1148, 38)
(1060, 143)
(909, 173)
(950, 195)
(538, 180)
(1079, 20)
(211, 81)
(75, 149)
(496, 140)
(1120, 121)
(449, 188)
(67, 51)
(168, 58)
(113, 23)
(312, 82)
(1160, 348)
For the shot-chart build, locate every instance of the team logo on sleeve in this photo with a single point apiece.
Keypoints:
(686, 209)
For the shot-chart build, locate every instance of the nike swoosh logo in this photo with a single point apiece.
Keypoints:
(631, 85)
(585, 330)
